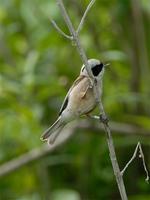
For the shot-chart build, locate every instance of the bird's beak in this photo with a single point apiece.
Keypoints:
(107, 64)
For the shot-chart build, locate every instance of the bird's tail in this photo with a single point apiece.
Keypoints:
(55, 134)
(57, 125)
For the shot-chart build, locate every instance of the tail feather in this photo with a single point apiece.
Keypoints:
(55, 134)
(52, 129)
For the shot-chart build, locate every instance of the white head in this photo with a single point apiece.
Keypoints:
(96, 69)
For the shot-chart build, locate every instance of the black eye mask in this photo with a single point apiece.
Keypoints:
(97, 69)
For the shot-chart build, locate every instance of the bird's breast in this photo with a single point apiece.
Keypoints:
(81, 101)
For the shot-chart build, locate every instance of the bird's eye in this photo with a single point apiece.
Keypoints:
(97, 69)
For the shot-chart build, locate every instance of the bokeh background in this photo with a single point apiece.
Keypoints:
(37, 67)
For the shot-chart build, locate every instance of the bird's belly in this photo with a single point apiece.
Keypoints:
(82, 105)
(86, 106)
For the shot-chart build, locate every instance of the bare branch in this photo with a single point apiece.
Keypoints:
(113, 157)
(141, 155)
(130, 161)
(59, 30)
(74, 34)
(144, 165)
(84, 16)
(83, 56)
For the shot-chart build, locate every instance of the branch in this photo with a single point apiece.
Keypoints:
(141, 155)
(36, 154)
(84, 16)
(59, 30)
(74, 35)
(83, 56)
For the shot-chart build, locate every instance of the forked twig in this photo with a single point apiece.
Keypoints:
(141, 155)
(144, 165)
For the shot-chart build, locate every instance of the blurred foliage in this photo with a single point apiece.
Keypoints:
(37, 67)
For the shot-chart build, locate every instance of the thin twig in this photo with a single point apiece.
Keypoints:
(141, 155)
(84, 16)
(59, 29)
(83, 56)
(130, 161)
(74, 34)
(144, 165)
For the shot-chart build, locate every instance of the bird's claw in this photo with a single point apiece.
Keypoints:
(104, 119)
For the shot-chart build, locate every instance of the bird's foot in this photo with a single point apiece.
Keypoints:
(104, 119)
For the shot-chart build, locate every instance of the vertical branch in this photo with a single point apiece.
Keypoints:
(73, 33)
(110, 142)
(83, 56)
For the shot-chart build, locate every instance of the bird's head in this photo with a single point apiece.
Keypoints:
(96, 69)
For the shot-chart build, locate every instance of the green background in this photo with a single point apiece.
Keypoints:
(37, 67)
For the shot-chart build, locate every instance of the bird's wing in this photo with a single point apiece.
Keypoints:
(65, 102)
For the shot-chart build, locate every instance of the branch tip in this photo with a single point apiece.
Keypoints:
(60, 30)
(84, 16)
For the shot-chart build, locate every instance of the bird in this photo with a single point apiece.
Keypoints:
(80, 99)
